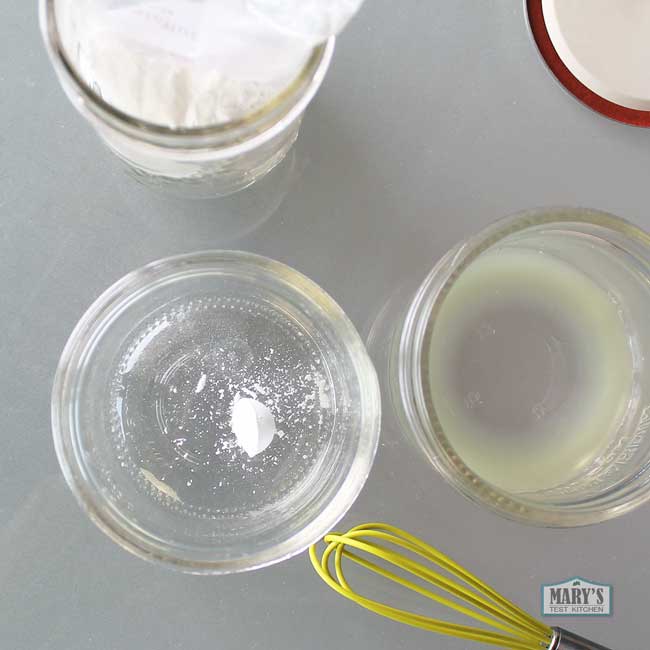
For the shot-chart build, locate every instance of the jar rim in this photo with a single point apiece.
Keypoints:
(277, 112)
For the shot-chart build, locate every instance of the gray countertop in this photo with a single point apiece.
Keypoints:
(435, 119)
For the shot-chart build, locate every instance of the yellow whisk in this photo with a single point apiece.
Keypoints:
(512, 627)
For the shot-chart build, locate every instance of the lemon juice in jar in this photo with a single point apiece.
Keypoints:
(530, 365)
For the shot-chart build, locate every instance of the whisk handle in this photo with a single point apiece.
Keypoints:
(564, 640)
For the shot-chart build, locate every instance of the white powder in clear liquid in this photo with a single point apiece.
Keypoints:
(179, 63)
(253, 425)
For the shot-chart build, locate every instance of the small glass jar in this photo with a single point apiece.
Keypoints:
(142, 412)
(195, 161)
(602, 276)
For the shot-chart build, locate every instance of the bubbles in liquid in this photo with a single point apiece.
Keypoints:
(172, 396)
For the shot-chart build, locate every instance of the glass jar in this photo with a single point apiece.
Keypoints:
(541, 419)
(212, 160)
(142, 412)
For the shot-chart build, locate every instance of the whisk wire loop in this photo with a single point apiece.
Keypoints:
(517, 630)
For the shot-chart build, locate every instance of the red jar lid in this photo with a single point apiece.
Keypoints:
(600, 51)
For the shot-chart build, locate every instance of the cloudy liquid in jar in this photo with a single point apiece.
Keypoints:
(530, 369)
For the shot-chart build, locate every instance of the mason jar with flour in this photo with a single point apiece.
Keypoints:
(199, 97)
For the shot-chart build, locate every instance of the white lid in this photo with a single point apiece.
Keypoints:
(606, 45)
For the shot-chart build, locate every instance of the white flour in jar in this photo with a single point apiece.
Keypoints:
(179, 63)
